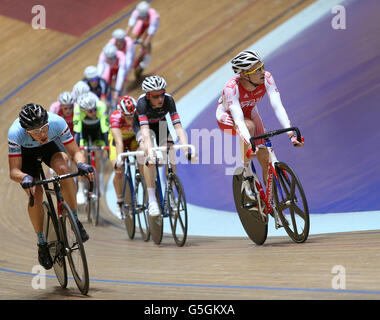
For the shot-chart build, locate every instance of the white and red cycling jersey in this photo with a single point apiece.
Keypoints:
(129, 51)
(149, 23)
(117, 69)
(237, 103)
(56, 108)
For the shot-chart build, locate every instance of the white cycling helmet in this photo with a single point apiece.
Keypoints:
(91, 72)
(153, 83)
(110, 50)
(66, 98)
(86, 102)
(119, 34)
(80, 88)
(244, 61)
(143, 8)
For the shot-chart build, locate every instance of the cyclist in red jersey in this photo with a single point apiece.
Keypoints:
(121, 139)
(64, 108)
(237, 110)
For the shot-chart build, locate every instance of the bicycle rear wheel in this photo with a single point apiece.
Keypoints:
(176, 202)
(291, 203)
(93, 201)
(250, 217)
(75, 249)
(129, 217)
(141, 207)
(56, 248)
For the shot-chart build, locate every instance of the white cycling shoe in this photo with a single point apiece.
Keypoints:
(248, 191)
(81, 198)
(153, 209)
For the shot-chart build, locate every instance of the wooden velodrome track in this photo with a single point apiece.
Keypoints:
(185, 51)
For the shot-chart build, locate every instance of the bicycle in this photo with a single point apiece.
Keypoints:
(283, 186)
(172, 202)
(62, 234)
(138, 195)
(93, 198)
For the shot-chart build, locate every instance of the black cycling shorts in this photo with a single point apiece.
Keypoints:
(30, 156)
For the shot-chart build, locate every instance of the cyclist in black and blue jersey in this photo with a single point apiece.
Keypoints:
(149, 119)
(35, 134)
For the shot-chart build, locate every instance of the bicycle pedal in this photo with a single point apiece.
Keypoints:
(249, 205)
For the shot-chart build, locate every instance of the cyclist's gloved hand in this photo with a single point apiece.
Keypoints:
(250, 154)
(295, 142)
(84, 168)
(27, 182)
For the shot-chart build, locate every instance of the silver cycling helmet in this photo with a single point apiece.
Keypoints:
(244, 61)
(66, 98)
(110, 51)
(87, 102)
(119, 34)
(153, 83)
(80, 88)
(91, 72)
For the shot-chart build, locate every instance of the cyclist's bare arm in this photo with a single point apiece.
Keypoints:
(181, 134)
(15, 165)
(118, 138)
(16, 174)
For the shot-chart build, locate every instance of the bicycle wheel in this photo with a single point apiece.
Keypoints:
(176, 202)
(141, 206)
(75, 249)
(156, 224)
(129, 217)
(291, 203)
(250, 217)
(93, 201)
(56, 248)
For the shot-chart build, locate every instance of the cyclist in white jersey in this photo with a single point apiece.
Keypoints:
(37, 133)
(237, 107)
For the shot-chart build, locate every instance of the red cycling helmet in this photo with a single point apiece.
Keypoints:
(126, 105)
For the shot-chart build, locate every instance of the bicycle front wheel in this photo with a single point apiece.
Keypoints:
(93, 201)
(156, 223)
(129, 217)
(75, 249)
(141, 206)
(291, 204)
(56, 248)
(176, 202)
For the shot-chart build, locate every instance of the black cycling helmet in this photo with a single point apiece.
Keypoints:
(32, 115)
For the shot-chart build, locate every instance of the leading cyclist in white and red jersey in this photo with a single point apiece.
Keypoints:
(237, 111)
(143, 23)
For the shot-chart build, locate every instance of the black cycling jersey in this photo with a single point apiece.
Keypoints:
(101, 89)
(147, 115)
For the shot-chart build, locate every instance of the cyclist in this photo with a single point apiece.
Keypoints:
(64, 108)
(111, 67)
(90, 120)
(121, 139)
(237, 109)
(126, 45)
(38, 133)
(151, 110)
(97, 85)
(145, 22)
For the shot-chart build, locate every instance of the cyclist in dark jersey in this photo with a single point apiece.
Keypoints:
(150, 119)
(97, 84)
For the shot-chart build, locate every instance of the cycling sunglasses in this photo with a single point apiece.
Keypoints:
(156, 96)
(257, 70)
(38, 130)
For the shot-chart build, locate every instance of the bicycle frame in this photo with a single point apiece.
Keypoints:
(267, 196)
(163, 195)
